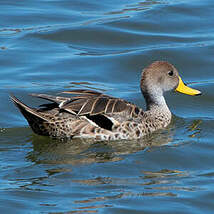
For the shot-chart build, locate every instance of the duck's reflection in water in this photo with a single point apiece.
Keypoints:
(84, 151)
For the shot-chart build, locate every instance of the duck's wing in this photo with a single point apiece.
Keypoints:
(91, 103)
(88, 102)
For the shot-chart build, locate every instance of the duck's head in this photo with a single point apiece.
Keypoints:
(162, 76)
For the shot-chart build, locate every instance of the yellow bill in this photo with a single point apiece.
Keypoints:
(182, 88)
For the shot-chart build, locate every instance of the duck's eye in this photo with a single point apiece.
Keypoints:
(170, 73)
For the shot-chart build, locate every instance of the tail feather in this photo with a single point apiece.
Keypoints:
(29, 113)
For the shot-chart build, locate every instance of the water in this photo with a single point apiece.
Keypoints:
(51, 46)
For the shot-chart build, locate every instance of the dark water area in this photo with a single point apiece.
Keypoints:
(55, 45)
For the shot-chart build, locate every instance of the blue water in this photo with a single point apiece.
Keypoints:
(55, 45)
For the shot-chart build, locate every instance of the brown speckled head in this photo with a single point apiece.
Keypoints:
(159, 75)
(157, 78)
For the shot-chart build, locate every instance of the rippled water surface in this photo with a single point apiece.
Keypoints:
(54, 45)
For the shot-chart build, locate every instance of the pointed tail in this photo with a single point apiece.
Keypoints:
(34, 118)
(24, 109)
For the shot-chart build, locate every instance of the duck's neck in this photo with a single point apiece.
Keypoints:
(155, 101)
(157, 110)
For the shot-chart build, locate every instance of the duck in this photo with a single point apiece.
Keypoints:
(93, 115)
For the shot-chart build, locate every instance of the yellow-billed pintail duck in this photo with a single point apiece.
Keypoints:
(91, 114)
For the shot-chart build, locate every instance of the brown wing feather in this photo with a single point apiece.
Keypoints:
(109, 106)
(56, 99)
(119, 106)
(83, 92)
(88, 102)
(99, 105)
